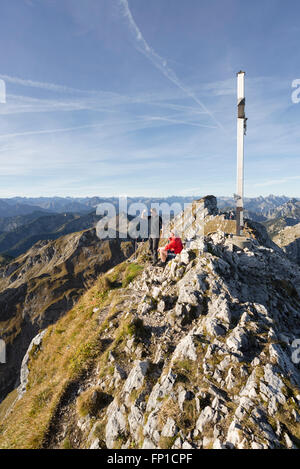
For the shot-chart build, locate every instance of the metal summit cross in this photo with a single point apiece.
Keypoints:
(2, 101)
(241, 132)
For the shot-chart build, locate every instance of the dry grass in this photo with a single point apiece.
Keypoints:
(218, 223)
(69, 348)
(169, 409)
(7, 404)
(166, 442)
(91, 401)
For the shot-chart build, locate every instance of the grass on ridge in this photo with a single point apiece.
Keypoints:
(69, 347)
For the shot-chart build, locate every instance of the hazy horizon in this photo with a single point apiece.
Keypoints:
(143, 196)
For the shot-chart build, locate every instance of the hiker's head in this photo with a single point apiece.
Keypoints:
(173, 234)
(153, 212)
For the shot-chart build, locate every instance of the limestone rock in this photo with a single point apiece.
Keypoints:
(24, 373)
(116, 424)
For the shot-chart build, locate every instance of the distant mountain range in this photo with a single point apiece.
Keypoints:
(258, 205)
(25, 231)
(23, 206)
(16, 208)
(24, 221)
(290, 209)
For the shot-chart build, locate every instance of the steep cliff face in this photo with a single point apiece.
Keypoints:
(289, 240)
(290, 209)
(199, 354)
(40, 286)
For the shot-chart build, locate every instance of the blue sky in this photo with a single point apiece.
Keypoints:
(138, 97)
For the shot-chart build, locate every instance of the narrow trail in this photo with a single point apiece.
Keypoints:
(64, 430)
(65, 416)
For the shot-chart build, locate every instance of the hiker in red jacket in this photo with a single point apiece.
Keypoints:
(171, 249)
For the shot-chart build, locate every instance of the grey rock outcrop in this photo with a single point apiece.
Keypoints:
(223, 330)
(35, 345)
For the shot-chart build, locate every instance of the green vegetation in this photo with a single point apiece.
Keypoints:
(137, 329)
(41, 400)
(7, 404)
(99, 433)
(185, 370)
(166, 442)
(84, 357)
(120, 441)
(91, 402)
(132, 271)
(67, 443)
(69, 347)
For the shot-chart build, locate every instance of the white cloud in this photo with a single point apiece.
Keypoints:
(41, 85)
(2, 92)
(49, 131)
(276, 182)
(159, 62)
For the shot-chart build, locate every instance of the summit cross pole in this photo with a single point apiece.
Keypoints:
(241, 132)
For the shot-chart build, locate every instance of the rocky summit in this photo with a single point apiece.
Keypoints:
(201, 354)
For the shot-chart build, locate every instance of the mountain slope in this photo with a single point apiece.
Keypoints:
(259, 205)
(290, 209)
(11, 223)
(41, 285)
(196, 355)
(4, 260)
(17, 241)
(17, 209)
(274, 226)
(289, 240)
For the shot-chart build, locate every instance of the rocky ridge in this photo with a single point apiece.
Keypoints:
(201, 354)
(216, 368)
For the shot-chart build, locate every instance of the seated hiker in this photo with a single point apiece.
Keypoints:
(171, 249)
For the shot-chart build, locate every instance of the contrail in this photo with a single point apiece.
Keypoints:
(41, 85)
(158, 61)
(50, 131)
(176, 121)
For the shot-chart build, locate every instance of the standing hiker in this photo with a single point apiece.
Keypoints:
(154, 230)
